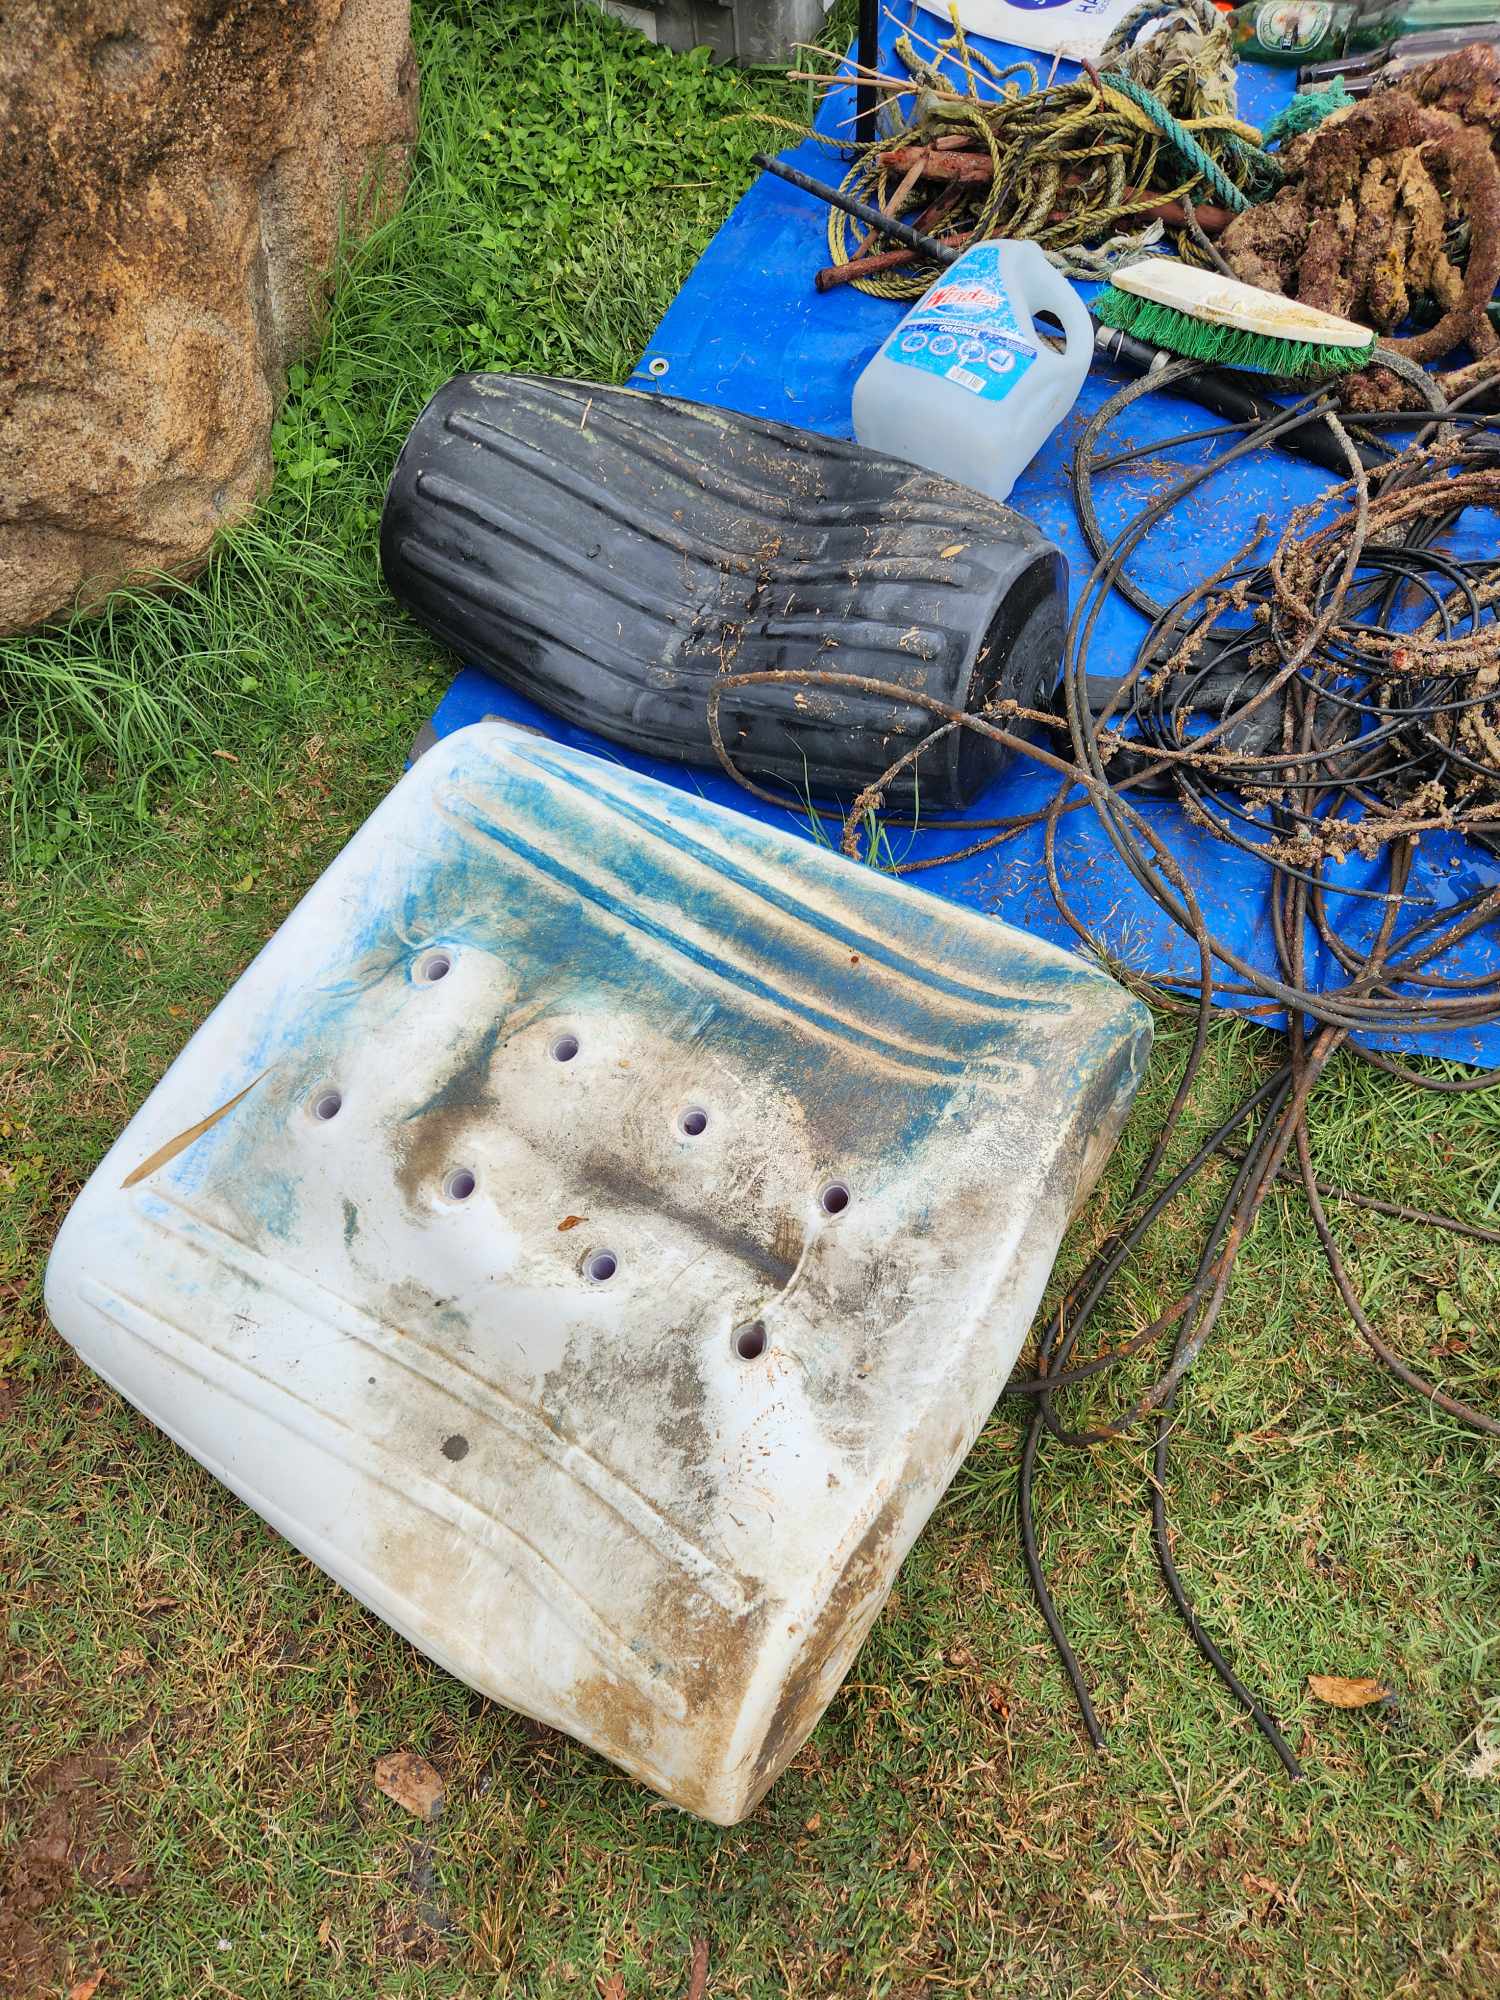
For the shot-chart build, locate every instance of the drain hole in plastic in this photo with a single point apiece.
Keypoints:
(437, 965)
(601, 1266)
(460, 1184)
(694, 1121)
(750, 1341)
(327, 1104)
(565, 1048)
(834, 1198)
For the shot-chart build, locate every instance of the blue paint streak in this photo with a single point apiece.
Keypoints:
(511, 860)
(778, 997)
(829, 927)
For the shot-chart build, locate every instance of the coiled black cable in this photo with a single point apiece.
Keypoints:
(1349, 680)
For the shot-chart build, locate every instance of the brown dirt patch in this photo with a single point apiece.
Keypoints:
(64, 1841)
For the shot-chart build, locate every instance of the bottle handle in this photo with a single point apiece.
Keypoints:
(1077, 326)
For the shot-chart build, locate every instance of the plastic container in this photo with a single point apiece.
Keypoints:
(965, 386)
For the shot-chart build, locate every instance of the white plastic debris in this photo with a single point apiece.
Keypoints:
(624, 1217)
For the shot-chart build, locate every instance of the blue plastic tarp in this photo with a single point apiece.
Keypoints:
(748, 331)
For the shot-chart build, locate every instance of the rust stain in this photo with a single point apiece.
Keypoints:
(842, 1624)
(786, 1241)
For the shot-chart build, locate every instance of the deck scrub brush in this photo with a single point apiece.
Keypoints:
(1206, 317)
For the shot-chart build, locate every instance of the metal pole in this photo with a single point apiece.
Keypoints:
(867, 48)
(862, 211)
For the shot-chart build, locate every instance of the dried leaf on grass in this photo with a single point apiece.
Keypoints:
(1341, 1693)
(612, 1988)
(411, 1781)
(1262, 1885)
(85, 1989)
(698, 1978)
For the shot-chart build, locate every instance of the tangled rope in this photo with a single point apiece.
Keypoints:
(1092, 170)
(1155, 117)
(1301, 708)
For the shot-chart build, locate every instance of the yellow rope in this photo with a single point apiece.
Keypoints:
(1061, 159)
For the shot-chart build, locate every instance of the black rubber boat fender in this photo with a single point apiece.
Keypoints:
(610, 553)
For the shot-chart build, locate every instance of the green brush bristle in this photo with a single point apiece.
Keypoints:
(1224, 346)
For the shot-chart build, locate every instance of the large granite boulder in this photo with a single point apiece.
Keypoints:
(173, 177)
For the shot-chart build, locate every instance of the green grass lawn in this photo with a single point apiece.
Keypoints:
(190, 1712)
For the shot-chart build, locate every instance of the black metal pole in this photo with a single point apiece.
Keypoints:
(862, 211)
(867, 49)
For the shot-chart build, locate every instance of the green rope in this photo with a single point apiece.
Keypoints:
(1177, 133)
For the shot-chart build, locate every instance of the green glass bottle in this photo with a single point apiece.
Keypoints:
(1306, 31)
